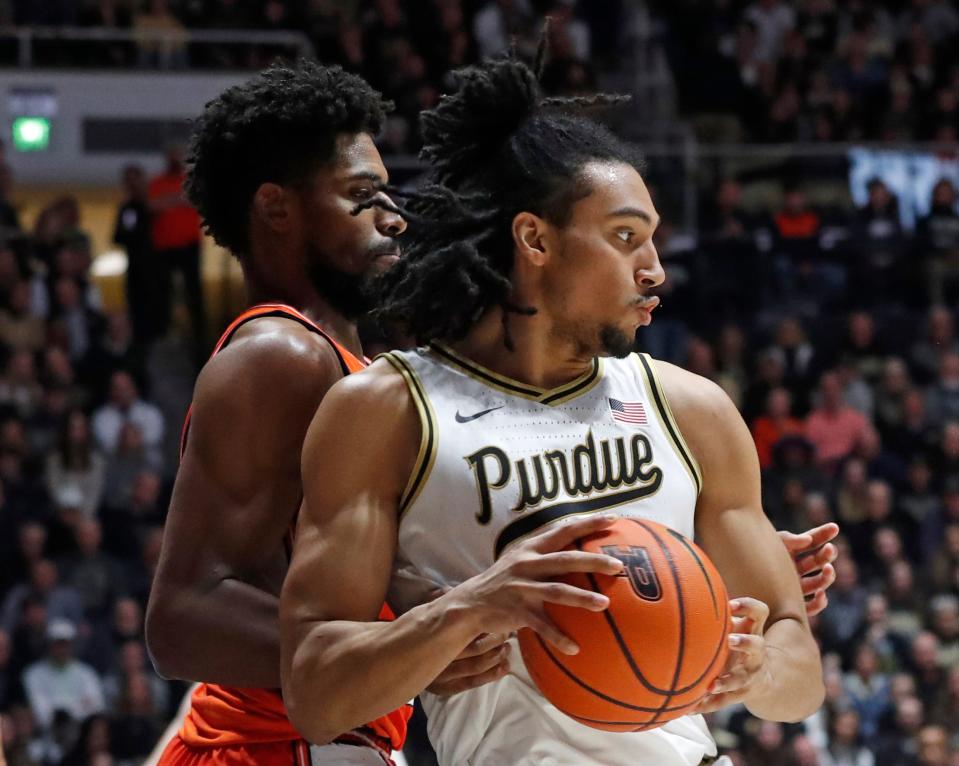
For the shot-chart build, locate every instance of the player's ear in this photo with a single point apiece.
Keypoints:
(272, 205)
(529, 238)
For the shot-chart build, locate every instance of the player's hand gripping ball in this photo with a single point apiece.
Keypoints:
(654, 653)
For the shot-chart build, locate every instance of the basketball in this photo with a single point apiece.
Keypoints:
(651, 656)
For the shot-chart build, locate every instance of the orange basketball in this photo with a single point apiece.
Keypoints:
(651, 656)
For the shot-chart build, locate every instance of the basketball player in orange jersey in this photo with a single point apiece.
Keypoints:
(277, 168)
(481, 456)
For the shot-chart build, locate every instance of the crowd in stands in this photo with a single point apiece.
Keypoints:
(849, 381)
(818, 70)
(833, 331)
(835, 335)
(86, 461)
(404, 48)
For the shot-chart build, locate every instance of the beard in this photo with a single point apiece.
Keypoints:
(614, 342)
(349, 294)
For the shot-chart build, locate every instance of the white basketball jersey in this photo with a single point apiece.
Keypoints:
(500, 460)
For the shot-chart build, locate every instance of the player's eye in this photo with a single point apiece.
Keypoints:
(626, 236)
(363, 194)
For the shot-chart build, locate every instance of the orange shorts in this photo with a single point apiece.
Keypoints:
(290, 753)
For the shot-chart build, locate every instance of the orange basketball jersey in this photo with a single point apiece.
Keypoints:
(222, 716)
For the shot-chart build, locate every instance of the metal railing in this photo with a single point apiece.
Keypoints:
(162, 39)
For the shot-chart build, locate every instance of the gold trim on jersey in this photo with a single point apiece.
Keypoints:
(550, 396)
(668, 420)
(426, 457)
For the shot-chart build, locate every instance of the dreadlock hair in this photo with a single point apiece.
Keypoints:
(496, 148)
(280, 127)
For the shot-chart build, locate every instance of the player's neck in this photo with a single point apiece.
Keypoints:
(536, 358)
(304, 298)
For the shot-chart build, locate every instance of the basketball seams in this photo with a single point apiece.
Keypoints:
(681, 653)
(595, 692)
(721, 644)
(702, 568)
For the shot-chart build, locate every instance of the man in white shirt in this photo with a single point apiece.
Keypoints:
(125, 406)
(60, 682)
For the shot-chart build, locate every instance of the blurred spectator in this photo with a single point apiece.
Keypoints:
(944, 566)
(832, 426)
(129, 518)
(80, 321)
(114, 351)
(60, 682)
(890, 394)
(944, 621)
(175, 233)
(93, 740)
(878, 230)
(946, 710)
(939, 339)
(897, 745)
(938, 234)
(905, 603)
(498, 21)
(924, 661)
(94, 574)
(849, 596)
(131, 459)
(942, 401)
(19, 388)
(846, 746)
(77, 463)
(106, 648)
(133, 233)
(9, 219)
(161, 37)
(868, 689)
(138, 720)
(933, 747)
(724, 218)
(20, 328)
(60, 602)
(773, 20)
(862, 347)
(774, 425)
(125, 406)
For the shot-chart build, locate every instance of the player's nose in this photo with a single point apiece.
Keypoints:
(649, 270)
(390, 222)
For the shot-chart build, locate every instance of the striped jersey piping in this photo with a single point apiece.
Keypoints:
(550, 396)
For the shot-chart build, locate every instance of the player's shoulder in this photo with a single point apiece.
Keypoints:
(270, 356)
(273, 344)
(692, 396)
(379, 387)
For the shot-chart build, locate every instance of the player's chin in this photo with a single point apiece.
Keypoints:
(618, 341)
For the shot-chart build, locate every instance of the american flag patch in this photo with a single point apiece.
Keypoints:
(628, 412)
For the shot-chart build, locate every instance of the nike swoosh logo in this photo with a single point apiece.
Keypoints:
(468, 418)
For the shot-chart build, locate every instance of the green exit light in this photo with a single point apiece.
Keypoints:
(31, 134)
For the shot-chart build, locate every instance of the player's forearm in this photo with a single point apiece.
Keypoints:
(340, 675)
(794, 688)
(228, 634)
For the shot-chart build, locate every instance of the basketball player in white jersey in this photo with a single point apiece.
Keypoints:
(521, 424)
